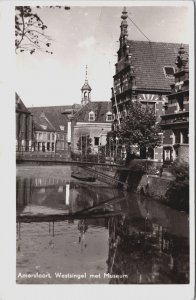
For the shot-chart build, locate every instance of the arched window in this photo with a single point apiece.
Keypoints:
(91, 116)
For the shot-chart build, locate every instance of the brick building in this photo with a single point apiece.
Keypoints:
(144, 72)
(51, 128)
(94, 119)
(24, 126)
(175, 122)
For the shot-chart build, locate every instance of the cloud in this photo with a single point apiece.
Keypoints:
(87, 43)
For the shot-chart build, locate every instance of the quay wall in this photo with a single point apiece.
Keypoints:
(165, 189)
(149, 185)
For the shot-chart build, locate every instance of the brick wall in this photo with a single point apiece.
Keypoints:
(183, 152)
(167, 137)
(158, 153)
(159, 110)
(154, 186)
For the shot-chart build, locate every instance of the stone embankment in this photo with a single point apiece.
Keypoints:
(162, 188)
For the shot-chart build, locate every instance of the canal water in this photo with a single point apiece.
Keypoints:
(69, 231)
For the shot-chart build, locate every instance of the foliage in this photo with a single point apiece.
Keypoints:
(177, 195)
(180, 169)
(30, 30)
(138, 166)
(84, 144)
(139, 127)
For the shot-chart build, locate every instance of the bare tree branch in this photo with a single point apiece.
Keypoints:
(30, 30)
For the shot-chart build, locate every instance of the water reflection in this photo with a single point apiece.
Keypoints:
(129, 234)
(147, 252)
(38, 195)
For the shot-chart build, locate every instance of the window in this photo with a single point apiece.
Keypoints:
(149, 105)
(62, 127)
(109, 116)
(185, 137)
(48, 136)
(96, 141)
(180, 103)
(91, 116)
(169, 71)
(177, 137)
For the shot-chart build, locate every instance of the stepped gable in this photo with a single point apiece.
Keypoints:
(100, 108)
(148, 60)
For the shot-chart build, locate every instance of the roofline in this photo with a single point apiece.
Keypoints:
(23, 111)
(150, 42)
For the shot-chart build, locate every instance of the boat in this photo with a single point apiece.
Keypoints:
(83, 177)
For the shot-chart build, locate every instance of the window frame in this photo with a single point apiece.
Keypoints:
(165, 72)
(98, 138)
(91, 114)
(109, 114)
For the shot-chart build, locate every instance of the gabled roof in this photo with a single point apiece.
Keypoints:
(148, 60)
(58, 109)
(100, 108)
(20, 107)
(50, 116)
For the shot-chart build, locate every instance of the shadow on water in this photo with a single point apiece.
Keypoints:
(109, 232)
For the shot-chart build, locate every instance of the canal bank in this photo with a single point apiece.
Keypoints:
(165, 189)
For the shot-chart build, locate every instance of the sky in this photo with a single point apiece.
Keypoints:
(89, 36)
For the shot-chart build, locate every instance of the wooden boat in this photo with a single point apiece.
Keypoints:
(83, 177)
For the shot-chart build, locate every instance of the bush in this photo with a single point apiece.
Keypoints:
(138, 166)
(177, 195)
(180, 169)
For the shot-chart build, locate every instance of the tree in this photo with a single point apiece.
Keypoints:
(84, 144)
(30, 33)
(140, 128)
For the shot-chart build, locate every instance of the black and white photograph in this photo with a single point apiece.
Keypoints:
(103, 144)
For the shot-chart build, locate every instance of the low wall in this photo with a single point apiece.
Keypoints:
(153, 186)
(149, 185)
(162, 189)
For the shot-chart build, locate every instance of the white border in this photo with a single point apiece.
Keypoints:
(8, 287)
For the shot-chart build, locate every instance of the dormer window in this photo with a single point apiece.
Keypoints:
(91, 116)
(44, 127)
(62, 127)
(169, 71)
(109, 116)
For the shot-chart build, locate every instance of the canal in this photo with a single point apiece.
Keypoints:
(69, 231)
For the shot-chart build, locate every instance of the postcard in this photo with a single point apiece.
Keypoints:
(98, 154)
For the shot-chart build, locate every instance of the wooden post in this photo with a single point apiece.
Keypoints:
(86, 147)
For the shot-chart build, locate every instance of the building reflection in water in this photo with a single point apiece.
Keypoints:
(146, 252)
(145, 241)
